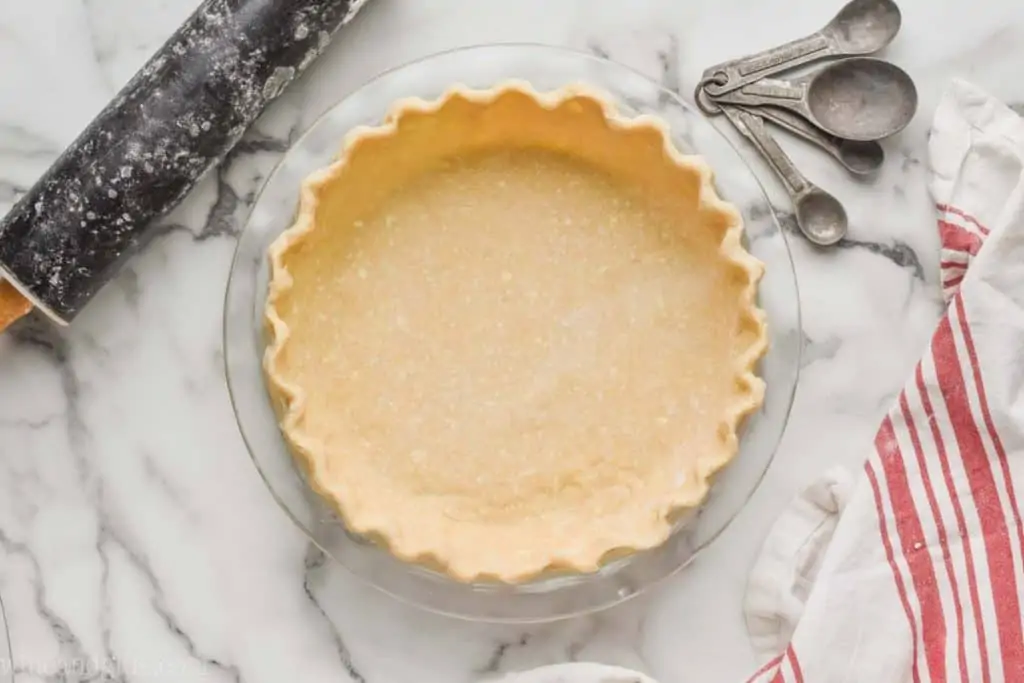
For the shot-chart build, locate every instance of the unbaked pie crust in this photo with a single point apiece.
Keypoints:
(513, 332)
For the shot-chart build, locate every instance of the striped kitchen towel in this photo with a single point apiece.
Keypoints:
(912, 571)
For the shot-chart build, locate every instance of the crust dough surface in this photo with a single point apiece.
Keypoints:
(512, 332)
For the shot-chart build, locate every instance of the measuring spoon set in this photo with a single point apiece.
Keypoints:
(844, 107)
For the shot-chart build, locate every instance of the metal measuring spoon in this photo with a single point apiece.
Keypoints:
(860, 28)
(859, 158)
(820, 216)
(855, 99)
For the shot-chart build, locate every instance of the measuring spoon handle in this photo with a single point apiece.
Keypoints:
(799, 126)
(730, 76)
(859, 158)
(752, 127)
(791, 95)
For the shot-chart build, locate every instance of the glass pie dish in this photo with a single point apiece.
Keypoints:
(549, 597)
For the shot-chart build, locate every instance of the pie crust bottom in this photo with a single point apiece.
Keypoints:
(513, 333)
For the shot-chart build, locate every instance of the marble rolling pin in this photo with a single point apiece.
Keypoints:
(176, 118)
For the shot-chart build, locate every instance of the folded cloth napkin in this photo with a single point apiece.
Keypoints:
(912, 569)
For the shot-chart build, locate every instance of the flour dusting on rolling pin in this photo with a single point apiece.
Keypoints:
(176, 118)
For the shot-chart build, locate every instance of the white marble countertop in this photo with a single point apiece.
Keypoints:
(136, 538)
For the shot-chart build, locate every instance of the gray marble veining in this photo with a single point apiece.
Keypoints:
(137, 542)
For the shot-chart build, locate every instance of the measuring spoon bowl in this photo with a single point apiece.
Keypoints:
(861, 158)
(820, 216)
(862, 99)
(865, 26)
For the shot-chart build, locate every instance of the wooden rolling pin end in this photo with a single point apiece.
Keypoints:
(187, 107)
(12, 305)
